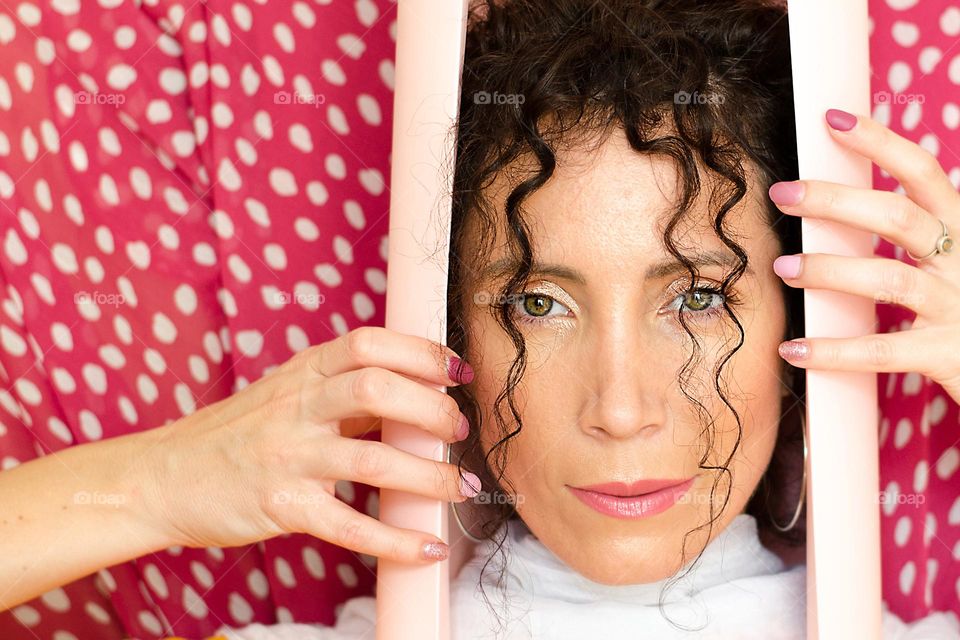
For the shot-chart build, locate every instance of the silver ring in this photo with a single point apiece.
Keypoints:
(944, 245)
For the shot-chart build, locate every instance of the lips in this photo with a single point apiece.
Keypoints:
(638, 488)
(640, 499)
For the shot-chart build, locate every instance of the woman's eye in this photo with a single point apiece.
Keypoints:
(701, 300)
(536, 306)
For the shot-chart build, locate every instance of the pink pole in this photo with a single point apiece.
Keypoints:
(413, 601)
(831, 69)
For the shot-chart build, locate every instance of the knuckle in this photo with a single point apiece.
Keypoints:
(879, 351)
(361, 344)
(369, 385)
(928, 168)
(898, 281)
(368, 462)
(353, 535)
(904, 216)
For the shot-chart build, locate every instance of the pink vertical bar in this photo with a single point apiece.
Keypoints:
(831, 69)
(413, 601)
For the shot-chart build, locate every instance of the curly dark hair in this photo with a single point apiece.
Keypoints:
(584, 67)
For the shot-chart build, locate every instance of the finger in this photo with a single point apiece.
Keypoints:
(883, 280)
(915, 350)
(380, 465)
(917, 170)
(377, 392)
(414, 356)
(336, 522)
(893, 216)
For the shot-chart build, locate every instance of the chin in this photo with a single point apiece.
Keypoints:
(637, 565)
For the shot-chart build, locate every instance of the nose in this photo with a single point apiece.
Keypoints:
(626, 384)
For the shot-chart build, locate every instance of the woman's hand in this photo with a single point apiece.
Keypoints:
(913, 221)
(265, 460)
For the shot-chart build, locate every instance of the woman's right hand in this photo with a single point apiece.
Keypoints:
(265, 461)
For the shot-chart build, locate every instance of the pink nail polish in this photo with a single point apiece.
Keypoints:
(436, 551)
(841, 120)
(463, 428)
(469, 485)
(459, 370)
(786, 193)
(787, 266)
(794, 350)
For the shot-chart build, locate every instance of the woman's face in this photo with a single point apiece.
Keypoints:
(599, 399)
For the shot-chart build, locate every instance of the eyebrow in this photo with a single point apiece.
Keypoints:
(670, 266)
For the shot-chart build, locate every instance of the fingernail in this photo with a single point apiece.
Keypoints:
(469, 485)
(459, 370)
(841, 120)
(463, 429)
(786, 193)
(436, 551)
(787, 266)
(793, 350)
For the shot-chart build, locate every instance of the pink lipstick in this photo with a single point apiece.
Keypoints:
(635, 500)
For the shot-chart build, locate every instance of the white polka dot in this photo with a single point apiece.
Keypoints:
(173, 81)
(147, 388)
(328, 274)
(314, 563)
(300, 138)
(351, 45)
(369, 109)
(193, 603)
(950, 21)
(90, 425)
(905, 33)
(282, 182)
(284, 573)
(156, 581)
(284, 37)
(948, 463)
(95, 377)
(921, 476)
(121, 76)
(335, 166)
(150, 622)
(249, 343)
(227, 175)
(333, 72)
(139, 254)
(240, 609)
(907, 575)
(258, 584)
(163, 329)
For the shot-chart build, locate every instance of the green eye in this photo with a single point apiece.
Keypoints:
(699, 299)
(537, 305)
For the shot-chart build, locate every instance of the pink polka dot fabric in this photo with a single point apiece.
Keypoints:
(915, 59)
(193, 192)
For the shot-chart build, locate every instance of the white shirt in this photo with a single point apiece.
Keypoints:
(738, 589)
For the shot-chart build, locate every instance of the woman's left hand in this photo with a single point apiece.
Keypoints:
(913, 221)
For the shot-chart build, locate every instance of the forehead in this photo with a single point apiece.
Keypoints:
(606, 203)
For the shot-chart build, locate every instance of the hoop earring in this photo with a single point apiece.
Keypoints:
(803, 484)
(456, 514)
